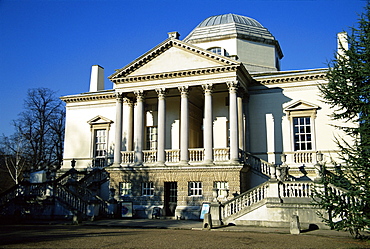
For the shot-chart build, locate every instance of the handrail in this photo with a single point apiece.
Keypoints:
(244, 200)
(258, 164)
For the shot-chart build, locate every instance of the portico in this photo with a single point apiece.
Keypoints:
(188, 136)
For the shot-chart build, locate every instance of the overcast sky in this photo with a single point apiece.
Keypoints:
(54, 43)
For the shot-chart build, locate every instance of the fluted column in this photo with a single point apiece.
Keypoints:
(161, 155)
(184, 125)
(233, 121)
(118, 134)
(208, 124)
(139, 125)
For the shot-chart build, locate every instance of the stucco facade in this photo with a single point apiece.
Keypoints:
(185, 122)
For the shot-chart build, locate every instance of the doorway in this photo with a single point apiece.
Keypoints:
(170, 198)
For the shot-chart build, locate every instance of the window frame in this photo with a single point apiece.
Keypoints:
(299, 113)
(127, 187)
(99, 123)
(302, 138)
(147, 189)
(195, 189)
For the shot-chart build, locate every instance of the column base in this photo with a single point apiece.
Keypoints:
(208, 161)
(160, 163)
(115, 165)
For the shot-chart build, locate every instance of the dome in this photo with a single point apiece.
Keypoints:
(229, 25)
(229, 18)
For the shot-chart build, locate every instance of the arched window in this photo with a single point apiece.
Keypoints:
(219, 50)
(216, 50)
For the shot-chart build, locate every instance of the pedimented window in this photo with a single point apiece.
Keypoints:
(302, 116)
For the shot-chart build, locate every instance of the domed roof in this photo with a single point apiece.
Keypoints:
(229, 18)
(229, 25)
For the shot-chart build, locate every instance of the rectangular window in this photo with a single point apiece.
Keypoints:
(151, 137)
(195, 188)
(125, 188)
(100, 143)
(222, 188)
(147, 188)
(302, 133)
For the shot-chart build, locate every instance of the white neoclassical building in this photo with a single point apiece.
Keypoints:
(204, 118)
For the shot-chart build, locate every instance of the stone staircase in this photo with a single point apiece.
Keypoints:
(72, 194)
(273, 202)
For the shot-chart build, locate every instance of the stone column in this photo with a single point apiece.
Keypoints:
(184, 125)
(118, 133)
(208, 124)
(233, 121)
(161, 154)
(241, 121)
(130, 123)
(139, 125)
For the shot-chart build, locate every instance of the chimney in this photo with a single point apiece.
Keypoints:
(342, 45)
(97, 78)
(175, 35)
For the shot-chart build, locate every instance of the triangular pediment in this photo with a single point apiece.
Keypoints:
(300, 105)
(172, 56)
(99, 120)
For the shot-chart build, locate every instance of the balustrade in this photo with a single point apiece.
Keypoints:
(259, 164)
(128, 157)
(296, 189)
(221, 154)
(196, 155)
(302, 157)
(244, 200)
(150, 156)
(172, 156)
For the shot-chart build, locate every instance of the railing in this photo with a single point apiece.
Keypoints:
(99, 162)
(196, 155)
(128, 157)
(221, 154)
(244, 200)
(71, 199)
(258, 164)
(150, 156)
(296, 189)
(95, 176)
(172, 156)
(302, 157)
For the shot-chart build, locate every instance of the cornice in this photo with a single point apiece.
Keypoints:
(177, 74)
(290, 78)
(90, 97)
(162, 48)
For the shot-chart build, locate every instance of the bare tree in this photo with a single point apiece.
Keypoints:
(39, 136)
(13, 154)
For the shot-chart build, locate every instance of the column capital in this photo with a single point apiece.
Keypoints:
(140, 95)
(184, 90)
(162, 92)
(119, 96)
(207, 88)
(233, 86)
(127, 101)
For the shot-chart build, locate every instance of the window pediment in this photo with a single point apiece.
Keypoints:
(301, 105)
(301, 108)
(99, 120)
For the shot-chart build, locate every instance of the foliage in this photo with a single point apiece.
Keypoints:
(38, 141)
(346, 194)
